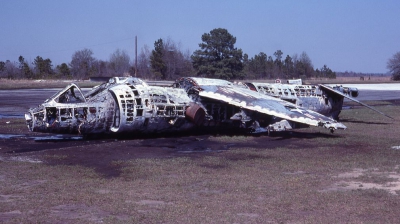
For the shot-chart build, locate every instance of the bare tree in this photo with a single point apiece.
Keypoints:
(102, 68)
(119, 62)
(169, 57)
(2, 68)
(143, 68)
(26, 71)
(393, 65)
(303, 65)
(10, 70)
(178, 62)
(82, 64)
(306, 59)
(185, 64)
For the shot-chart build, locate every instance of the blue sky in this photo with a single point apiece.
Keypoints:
(352, 35)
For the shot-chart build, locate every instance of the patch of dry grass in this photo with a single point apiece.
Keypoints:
(12, 126)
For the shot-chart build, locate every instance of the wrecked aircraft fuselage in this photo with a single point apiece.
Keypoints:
(121, 105)
(320, 98)
(129, 105)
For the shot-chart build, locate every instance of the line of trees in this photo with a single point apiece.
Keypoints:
(167, 55)
(262, 66)
(82, 66)
(217, 57)
(39, 69)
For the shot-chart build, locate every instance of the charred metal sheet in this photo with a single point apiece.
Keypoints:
(129, 105)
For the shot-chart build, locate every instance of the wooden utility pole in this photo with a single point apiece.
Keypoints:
(135, 56)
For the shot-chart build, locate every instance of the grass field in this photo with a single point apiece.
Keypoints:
(305, 176)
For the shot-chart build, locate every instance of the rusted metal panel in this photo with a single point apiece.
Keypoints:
(196, 114)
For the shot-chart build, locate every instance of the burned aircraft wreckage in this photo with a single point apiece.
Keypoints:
(130, 105)
(320, 98)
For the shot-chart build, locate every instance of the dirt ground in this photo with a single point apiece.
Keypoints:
(304, 176)
(19, 144)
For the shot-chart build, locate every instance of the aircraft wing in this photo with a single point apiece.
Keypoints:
(254, 101)
(330, 89)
